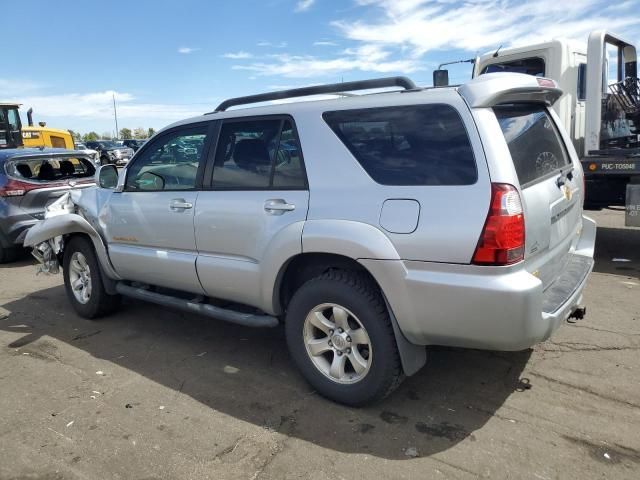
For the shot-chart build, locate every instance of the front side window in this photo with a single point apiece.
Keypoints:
(258, 154)
(170, 163)
(582, 81)
(534, 142)
(408, 145)
(13, 119)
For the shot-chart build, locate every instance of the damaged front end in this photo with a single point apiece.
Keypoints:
(77, 212)
(48, 253)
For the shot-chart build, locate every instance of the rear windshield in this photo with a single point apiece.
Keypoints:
(534, 142)
(50, 169)
(408, 145)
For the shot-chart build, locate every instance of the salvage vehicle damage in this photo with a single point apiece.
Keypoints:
(76, 212)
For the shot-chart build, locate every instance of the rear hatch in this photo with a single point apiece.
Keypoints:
(36, 181)
(551, 187)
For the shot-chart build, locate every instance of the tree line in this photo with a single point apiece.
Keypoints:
(124, 134)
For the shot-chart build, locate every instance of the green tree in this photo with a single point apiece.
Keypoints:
(125, 134)
(75, 135)
(91, 136)
(139, 133)
(106, 136)
(151, 132)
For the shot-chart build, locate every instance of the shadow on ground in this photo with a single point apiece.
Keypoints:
(618, 251)
(246, 373)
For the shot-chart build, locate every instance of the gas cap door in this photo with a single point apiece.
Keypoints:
(400, 215)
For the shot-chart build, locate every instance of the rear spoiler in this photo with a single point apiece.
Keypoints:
(493, 89)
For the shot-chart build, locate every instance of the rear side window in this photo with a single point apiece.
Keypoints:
(50, 169)
(408, 145)
(534, 141)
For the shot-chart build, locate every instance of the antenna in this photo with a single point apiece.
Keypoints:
(496, 52)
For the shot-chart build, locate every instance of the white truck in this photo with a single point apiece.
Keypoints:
(600, 106)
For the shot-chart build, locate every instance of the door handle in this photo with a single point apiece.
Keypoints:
(180, 204)
(278, 206)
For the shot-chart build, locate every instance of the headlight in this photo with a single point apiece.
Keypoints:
(116, 153)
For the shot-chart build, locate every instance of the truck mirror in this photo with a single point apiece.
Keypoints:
(440, 78)
(107, 176)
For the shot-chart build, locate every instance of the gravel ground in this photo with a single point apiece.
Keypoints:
(152, 393)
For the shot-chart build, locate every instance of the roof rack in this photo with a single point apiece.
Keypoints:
(337, 88)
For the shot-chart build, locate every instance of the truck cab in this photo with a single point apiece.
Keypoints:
(10, 126)
(599, 107)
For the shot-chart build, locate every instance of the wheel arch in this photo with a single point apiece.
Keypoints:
(302, 267)
(72, 224)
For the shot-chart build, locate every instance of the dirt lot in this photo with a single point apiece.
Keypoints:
(153, 393)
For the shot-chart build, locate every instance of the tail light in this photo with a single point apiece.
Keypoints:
(502, 238)
(16, 188)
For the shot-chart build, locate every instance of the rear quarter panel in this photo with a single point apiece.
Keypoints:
(450, 217)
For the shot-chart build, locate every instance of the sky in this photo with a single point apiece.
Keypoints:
(168, 60)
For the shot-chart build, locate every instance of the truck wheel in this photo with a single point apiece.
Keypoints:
(83, 282)
(8, 254)
(340, 337)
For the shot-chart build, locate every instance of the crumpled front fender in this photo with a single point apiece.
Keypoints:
(66, 224)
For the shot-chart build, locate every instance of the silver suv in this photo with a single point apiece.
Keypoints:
(371, 226)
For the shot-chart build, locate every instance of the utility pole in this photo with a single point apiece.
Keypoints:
(115, 114)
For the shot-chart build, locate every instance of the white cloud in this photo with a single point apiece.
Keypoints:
(273, 45)
(238, 55)
(306, 66)
(187, 50)
(325, 43)
(99, 105)
(11, 87)
(420, 26)
(304, 5)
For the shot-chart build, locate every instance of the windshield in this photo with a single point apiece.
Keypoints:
(109, 144)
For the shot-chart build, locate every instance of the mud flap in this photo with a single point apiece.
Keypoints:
(413, 357)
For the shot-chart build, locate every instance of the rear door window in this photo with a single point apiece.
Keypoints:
(51, 169)
(258, 154)
(408, 145)
(534, 142)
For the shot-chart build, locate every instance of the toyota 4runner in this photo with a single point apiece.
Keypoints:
(371, 226)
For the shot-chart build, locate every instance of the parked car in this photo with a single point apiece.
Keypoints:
(395, 221)
(111, 152)
(94, 154)
(134, 144)
(30, 178)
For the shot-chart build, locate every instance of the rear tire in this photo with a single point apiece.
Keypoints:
(83, 280)
(340, 337)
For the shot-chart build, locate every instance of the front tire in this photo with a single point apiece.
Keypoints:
(340, 336)
(83, 281)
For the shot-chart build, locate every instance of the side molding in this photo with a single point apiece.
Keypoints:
(67, 224)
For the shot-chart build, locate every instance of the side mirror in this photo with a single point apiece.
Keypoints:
(150, 181)
(107, 177)
(440, 78)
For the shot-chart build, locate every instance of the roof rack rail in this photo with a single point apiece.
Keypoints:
(338, 88)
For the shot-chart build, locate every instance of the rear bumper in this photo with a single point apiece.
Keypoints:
(11, 229)
(496, 308)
